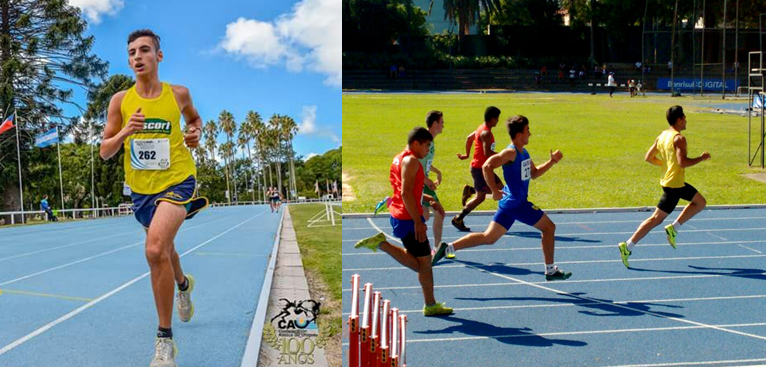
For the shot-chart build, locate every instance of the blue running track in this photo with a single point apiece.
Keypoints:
(703, 304)
(79, 294)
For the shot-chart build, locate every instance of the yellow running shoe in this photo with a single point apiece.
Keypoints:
(671, 232)
(437, 309)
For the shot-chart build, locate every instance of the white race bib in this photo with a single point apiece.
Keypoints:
(428, 165)
(526, 169)
(150, 154)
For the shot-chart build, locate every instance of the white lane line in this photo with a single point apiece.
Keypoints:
(684, 321)
(587, 332)
(548, 305)
(90, 304)
(565, 247)
(637, 279)
(637, 221)
(66, 246)
(751, 249)
(572, 262)
(699, 363)
(716, 236)
(95, 256)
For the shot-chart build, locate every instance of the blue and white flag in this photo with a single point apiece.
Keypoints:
(45, 139)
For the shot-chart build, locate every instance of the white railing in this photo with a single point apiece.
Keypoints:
(17, 217)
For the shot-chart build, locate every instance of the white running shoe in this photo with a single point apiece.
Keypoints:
(164, 353)
(184, 303)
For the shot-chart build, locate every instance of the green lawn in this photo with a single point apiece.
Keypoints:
(603, 141)
(321, 253)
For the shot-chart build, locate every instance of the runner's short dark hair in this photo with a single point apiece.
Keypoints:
(516, 125)
(433, 116)
(419, 134)
(145, 33)
(492, 112)
(674, 113)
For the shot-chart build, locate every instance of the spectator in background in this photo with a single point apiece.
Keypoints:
(638, 65)
(582, 72)
(596, 71)
(392, 72)
(603, 70)
(670, 67)
(572, 76)
(401, 71)
(543, 70)
(638, 87)
(44, 206)
(611, 84)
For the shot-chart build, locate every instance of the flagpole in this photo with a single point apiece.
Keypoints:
(18, 155)
(92, 180)
(61, 178)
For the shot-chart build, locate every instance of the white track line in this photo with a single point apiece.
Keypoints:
(573, 262)
(751, 249)
(638, 279)
(565, 247)
(736, 361)
(684, 321)
(65, 246)
(90, 304)
(94, 256)
(586, 332)
(554, 305)
(637, 221)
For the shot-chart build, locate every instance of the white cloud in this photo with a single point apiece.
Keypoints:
(311, 155)
(309, 37)
(309, 127)
(93, 9)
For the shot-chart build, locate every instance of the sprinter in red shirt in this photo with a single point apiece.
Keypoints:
(407, 179)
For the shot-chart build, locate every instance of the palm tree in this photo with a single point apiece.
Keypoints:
(254, 127)
(465, 12)
(288, 129)
(229, 127)
(275, 123)
(211, 131)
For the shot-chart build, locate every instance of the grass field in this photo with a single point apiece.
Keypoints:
(321, 253)
(603, 141)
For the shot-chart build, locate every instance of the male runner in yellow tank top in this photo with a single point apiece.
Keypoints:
(161, 173)
(670, 146)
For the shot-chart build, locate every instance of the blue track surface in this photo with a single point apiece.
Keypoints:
(79, 294)
(701, 303)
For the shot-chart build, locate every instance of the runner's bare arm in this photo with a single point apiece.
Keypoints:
(468, 143)
(486, 144)
(680, 144)
(651, 155)
(114, 133)
(410, 167)
(495, 161)
(539, 171)
(191, 116)
(438, 175)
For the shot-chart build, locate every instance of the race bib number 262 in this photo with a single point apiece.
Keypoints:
(150, 154)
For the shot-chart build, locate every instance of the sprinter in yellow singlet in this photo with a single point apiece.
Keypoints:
(160, 170)
(669, 152)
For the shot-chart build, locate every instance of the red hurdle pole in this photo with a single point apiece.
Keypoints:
(375, 337)
(403, 339)
(385, 333)
(395, 338)
(353, 324)
(364, 345)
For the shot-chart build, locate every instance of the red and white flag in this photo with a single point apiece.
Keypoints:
(7, 124)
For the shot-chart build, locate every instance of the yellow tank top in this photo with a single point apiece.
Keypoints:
(163, 121)
(673, 176)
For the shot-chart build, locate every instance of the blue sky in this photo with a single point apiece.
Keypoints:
(268, 56)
